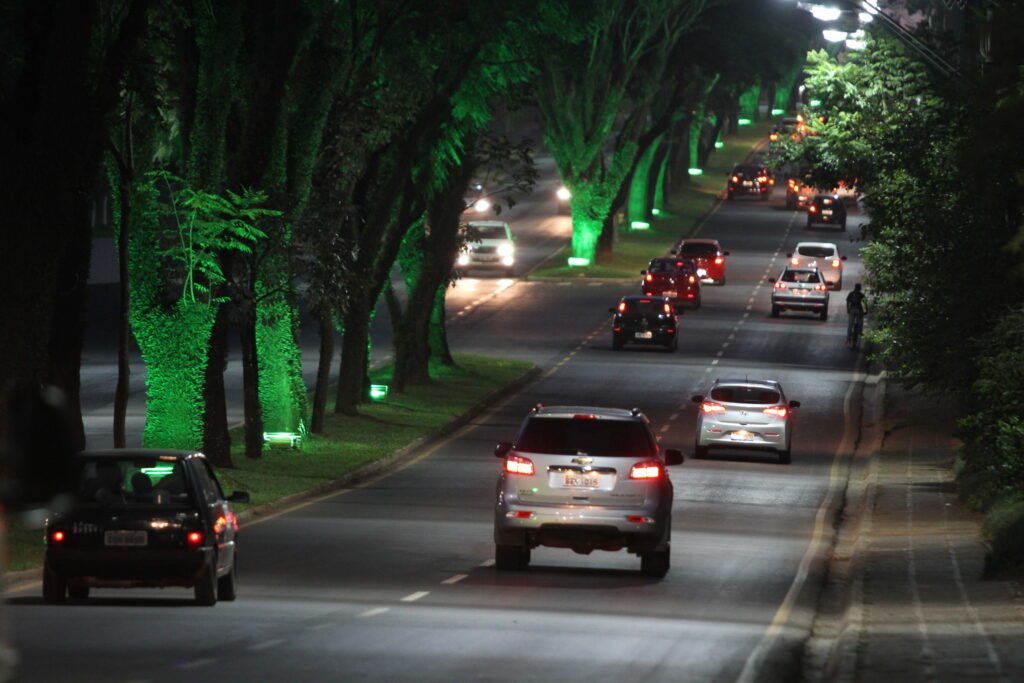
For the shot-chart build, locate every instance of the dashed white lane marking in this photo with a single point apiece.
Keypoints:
(487, 563)
(714, 362)
(664, 428)
(266, 644)
(455, 579)
(198, 663)
(718, 354)
(374, 612)
(413, 597)
(673, 417)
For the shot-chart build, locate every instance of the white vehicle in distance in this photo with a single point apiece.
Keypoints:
(746, 414)
(488, 244)
(821, 255)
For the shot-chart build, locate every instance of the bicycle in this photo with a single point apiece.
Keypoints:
(854, 328)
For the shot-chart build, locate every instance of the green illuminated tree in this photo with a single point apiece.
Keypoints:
(588, 82)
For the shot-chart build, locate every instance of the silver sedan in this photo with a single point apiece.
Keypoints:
(745, 413)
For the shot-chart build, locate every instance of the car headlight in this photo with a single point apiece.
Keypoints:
(463, 259)
(482, 205)
(505, 250)
(563, 194)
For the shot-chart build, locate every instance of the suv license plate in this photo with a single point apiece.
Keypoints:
(671, 294)
(577, 480)
(125, 538)
(742, 435)
(644, 335)
(748, 183)
(826, 212)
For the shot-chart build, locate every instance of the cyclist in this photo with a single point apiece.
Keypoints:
(856, 307)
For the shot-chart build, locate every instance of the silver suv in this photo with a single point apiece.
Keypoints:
(745, 413)
(587, 479)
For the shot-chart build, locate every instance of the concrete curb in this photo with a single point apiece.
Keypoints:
(830, 651)
(16, 581)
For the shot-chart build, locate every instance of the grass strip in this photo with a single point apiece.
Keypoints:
(348, 442)
(684, 208)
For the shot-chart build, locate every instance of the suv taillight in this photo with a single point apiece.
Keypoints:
(56, 537)
(795, 261)
(836, 263)
(719, 260)
(194, 539)
(517, 464)
(778, 411)
(812, 208)
(649, 469)
(780, 285)
(820, 288)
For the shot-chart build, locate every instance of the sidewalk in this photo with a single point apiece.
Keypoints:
(906, 595)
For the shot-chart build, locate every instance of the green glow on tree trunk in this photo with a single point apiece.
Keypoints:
(748, 104)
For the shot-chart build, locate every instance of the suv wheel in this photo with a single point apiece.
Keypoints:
(616, 343)
(55, 587)
(784, 457)
(226, 590)
(511, 557)
(655, 563)
(206, 586)
(78, 591)
(700, 452)
(775, 311)
(824, 314)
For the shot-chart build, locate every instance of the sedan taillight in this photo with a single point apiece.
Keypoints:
(778, 411)
(836, 263)
(517, 464)
(780, 285)
(795, 261)
(820, 288)
(719, 260)
(650, 469)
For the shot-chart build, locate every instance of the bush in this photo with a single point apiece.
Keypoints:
(1004, 529)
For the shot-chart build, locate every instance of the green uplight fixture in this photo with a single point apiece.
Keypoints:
(578, 261)
(656, 212)
(778, 112)
(743, 122)
(639, 225)
(814, 103)
(695, 171)
(290, 439)
(719, 144)
(378, 392)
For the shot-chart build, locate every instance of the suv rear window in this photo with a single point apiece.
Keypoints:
(817, 252)
(567, 435)
(808, 276)
(698, 248)
(645, 306)
(741, 394)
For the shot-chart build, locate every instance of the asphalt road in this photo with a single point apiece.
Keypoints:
(393, 581)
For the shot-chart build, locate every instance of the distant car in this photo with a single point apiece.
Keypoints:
(824, 256)
(800, 289)
(746, 179)
(476, 202)
(645, 320)
(799, 192)
(826, 209)
(745, 414)
(144, 517)
(709, 257)
(584, 478)
(488, 244)
(675, 278)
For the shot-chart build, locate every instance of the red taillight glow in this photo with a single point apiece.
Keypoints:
(812, 208)
(773, 137)
(795, 261)
(778, 411)
(719, 260)
(711, 407)
(645, 470)
(195, 539)
(517, 464)
(836, 263)
(521, 514)
(780, 285)
(735, 178)
(57, 537)
(820, 288)
(692, 279)
(649, 277)
(791, 183)
(667, 308)
(622, 307)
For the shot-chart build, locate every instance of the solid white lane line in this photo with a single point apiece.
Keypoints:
(374, 612)
(266, 644)
(413, 597)
(455, 579)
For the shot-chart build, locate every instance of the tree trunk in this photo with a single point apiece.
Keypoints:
(438, 333)
(216, 439)
(124, 330)
(353, 374)
(323, 372)
(251, 382)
